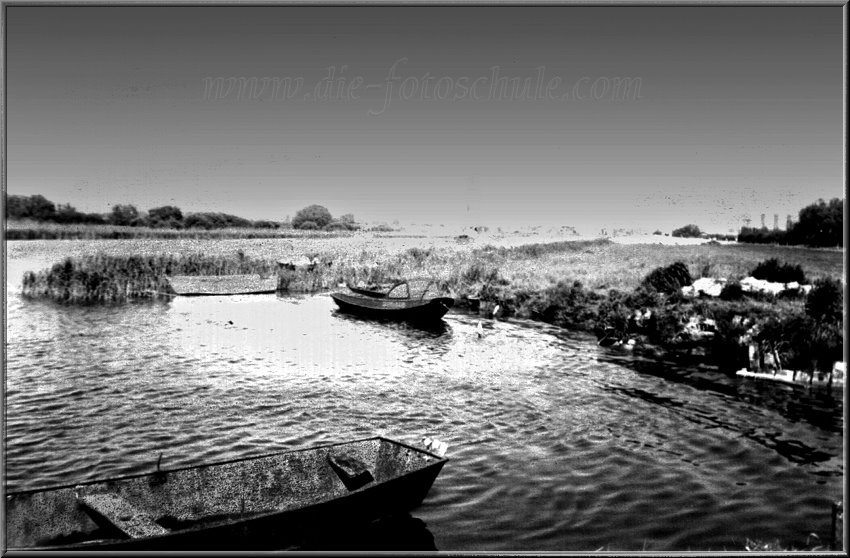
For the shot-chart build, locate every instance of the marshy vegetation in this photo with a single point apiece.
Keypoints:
(112, 279)
(616, 291)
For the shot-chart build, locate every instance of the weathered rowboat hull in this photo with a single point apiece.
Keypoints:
(394, 309)
(222, 285)
(268, 502)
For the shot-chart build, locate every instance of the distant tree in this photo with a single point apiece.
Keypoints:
(308, 226)
(41, 208)
(197, 221)
(66, 213)
(95, 219)
(688, 231)
(16, 207)
(820, 224)
(166, 216)
(335, 226)
(344, 223)
(123, 215)
(35, 207)
(316, 214)
(264, 224)
(754, 235)
(215, 221)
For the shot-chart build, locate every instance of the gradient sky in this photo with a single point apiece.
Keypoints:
(739, 112)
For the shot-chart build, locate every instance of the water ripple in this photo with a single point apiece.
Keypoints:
(555, 444)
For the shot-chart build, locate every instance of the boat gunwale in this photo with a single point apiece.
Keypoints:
(220, 463)
(382, 301)
(258, 516)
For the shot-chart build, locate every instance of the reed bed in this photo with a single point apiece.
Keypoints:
(113, 279)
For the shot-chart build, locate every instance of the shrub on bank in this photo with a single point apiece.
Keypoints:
(688, 231)
(669, 279)
(775, 272)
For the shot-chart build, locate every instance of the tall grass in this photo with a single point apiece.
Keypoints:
(112, 279)
(31, 230)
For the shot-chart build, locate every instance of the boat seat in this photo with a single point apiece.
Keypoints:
(120, 514)
(351, 471)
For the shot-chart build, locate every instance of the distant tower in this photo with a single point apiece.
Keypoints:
(788, 223)
(762, 221)
(776, 221)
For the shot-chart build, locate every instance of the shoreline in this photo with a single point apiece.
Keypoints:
(595, 286)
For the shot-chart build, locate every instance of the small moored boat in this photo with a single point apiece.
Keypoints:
(414, 300)
(221, 285)
(272, 501)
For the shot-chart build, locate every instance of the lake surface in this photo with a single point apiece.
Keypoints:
(554, 442)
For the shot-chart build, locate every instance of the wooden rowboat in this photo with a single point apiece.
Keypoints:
(415, 300)
(222, 285)
(271, 501)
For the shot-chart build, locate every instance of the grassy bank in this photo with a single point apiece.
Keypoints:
(595, 285)
(31, 230)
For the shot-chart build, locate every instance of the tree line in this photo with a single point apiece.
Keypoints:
(820, 224)
(38, 208)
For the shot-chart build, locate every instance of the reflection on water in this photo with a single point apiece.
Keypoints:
(554, 442)
(418, 330)
(400, 532)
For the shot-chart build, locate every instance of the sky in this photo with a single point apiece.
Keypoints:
(591, 117)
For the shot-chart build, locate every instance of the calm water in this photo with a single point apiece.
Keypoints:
(555, 443)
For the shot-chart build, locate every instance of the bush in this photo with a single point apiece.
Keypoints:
(123, 215)
(569, 305)
(308, 226)
(316, 214)
(668, 279)
(774, 271)
(826, 302)
(688, 231)
(732, 291)
(336, 226)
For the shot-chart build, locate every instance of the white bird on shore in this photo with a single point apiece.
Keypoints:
(496, 311)
(479, 329)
